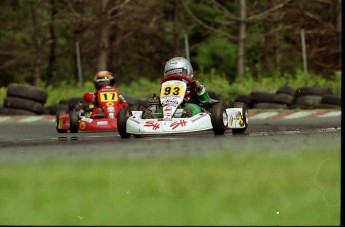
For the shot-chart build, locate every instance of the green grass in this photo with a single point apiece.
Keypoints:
(226, 188)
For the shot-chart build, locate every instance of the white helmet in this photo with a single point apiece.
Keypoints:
(178, 65)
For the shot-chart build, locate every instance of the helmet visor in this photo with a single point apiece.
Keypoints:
(103, 82)
(181, 71)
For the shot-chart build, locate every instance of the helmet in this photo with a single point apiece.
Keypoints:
(178, 65)
(103, 78)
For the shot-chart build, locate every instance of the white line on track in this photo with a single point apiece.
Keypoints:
(4, 119)
(299, 114)
(331, 114)
(30, 119)
(263, 115)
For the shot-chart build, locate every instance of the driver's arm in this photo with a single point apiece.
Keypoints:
(201, 93)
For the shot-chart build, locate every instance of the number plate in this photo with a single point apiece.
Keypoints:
(171, 88)
(108, 96)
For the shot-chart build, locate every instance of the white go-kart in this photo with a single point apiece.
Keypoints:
(214, 116)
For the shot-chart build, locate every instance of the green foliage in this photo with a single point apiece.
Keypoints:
(217, 53)
(142, 88)
(65, 91)
(3, 91)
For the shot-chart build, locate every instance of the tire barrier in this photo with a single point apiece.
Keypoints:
(30, 100)
(24, 100)
(287, 97)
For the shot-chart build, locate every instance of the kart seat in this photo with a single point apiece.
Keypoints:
(97, 113)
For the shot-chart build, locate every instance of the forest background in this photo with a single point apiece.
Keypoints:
(249, 43)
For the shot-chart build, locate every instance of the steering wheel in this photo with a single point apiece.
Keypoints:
(177, 77)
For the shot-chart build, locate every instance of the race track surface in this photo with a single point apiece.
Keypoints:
(35, 138)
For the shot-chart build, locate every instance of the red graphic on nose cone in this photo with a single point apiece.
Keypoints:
(176, 124)
(154, 126)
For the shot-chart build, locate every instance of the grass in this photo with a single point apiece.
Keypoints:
(226, 188)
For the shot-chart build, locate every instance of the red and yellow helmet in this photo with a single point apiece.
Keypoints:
(103, 78)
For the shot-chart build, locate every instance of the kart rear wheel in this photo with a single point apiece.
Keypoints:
(57, 122)
(122, 123)
(73, 122)
(219, 118)
(244, 117)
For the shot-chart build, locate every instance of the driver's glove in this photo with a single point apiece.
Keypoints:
(197, 85)
(122, 99)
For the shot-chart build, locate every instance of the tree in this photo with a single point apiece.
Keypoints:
(225, 21)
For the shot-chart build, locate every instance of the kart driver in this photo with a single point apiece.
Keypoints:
(196, 93)
(101, 79)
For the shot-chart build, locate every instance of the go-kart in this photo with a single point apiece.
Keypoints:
(86, 117)
(214, 116)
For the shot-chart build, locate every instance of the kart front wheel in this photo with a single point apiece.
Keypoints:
(73, 121)
(219, 118)
(122, 123)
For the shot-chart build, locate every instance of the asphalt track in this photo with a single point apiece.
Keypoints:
(39, 140)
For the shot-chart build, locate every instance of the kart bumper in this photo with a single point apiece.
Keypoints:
(87, 124)
(139, 126)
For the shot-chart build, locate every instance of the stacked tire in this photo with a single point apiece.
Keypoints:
(284, 96)
(24, 100)
(309, 97)
(306, 97)
(65, 105)
(266, 100)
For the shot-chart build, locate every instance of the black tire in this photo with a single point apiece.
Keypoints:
(244, 117)
(327, 106)
(73, 121)
(53, 109)
(72, 102)
(28, 92)
(25, 104)
(213, 94)
(269, 105)
(124, 114)
(315, 91)
(244, 98)
(218, 118)
(283, 98)
(308, 101)
(331, 99)
(285, 89)
(136, 101)
(15, 111)
(64, 101)
(57, 122)
(134, 108)
(261, 96)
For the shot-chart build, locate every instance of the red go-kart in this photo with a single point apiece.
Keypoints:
(87, 117)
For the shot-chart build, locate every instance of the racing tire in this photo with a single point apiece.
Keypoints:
(124, 114)
(15, 111)
(57, 122)
(331, 99)
(245, 119)
(27, 92)
(73, 121)
(25, 104)
(285, 89)
(314, 91)
(219, 119)
(135, 107)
